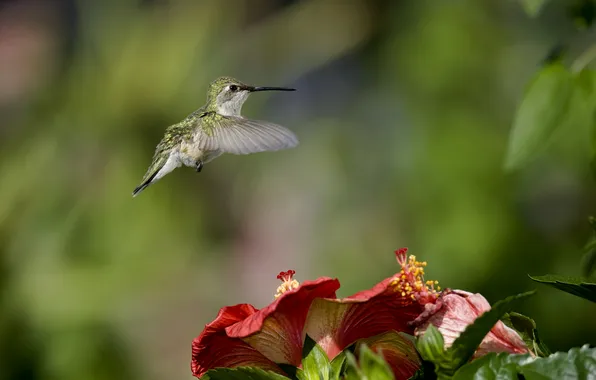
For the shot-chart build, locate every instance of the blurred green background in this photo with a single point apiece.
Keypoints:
(403, 110)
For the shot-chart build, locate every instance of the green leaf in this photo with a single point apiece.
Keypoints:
(584, 107)
(572, 136)
(338, 365)
(369, 365)
(241, 373)
(532, 7)
(501, 366)
(526, 327)
(579, 286)
(374, 366)
(543, 109)
(353, 371)
(431, 345)
(315, 363)
(465, 345)
(578, 363)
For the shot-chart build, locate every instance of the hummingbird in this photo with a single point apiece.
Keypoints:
(216, 128)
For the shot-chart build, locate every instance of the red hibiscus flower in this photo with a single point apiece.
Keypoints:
(455, 310)
(279, 325)
(242, 335)
(388, 306)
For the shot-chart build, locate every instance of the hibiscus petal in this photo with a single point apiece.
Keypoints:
(398, 351)
(380, 288)
(222, 351)
(213, 348)
(455, 310)
(502, 339)
(323, 324)
(229, 315)
(277, 331)
(455, 314)
(336, 323)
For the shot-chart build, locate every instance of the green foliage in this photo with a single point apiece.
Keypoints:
(451, 363)
(526, 327)
(369, 366)
(492, 366)
(463, 348)
(559, 105)
(543, 109)
(338, 364)
(579, 286)
(315, 363)
(533, 7)
(577, 363)
(431, 347)
(584, 102)
(588, 262)
(241, 373)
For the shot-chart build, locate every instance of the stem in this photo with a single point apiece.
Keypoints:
(584, 59)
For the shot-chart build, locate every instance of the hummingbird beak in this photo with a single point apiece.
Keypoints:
(255, 89)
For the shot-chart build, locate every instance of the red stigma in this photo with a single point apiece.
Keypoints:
(286, 276)
(401, 255)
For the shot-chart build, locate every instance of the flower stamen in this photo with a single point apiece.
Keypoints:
(287, 282)
(410, 283)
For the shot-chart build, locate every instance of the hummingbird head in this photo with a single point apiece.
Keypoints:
(227, 95)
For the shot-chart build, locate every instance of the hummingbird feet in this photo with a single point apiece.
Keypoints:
(199, 166)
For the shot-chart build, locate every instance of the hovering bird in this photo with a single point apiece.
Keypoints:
(214, 129)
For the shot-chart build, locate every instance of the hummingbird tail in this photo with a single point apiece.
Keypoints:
(138, 189)
(143, 185)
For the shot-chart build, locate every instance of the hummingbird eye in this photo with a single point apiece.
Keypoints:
(233, 88)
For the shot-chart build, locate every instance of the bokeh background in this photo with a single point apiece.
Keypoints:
(403, 110)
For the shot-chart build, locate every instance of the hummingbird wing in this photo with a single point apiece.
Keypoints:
(237, 135)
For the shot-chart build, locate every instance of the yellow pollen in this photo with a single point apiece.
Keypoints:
(288, 285)
(410, 283)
